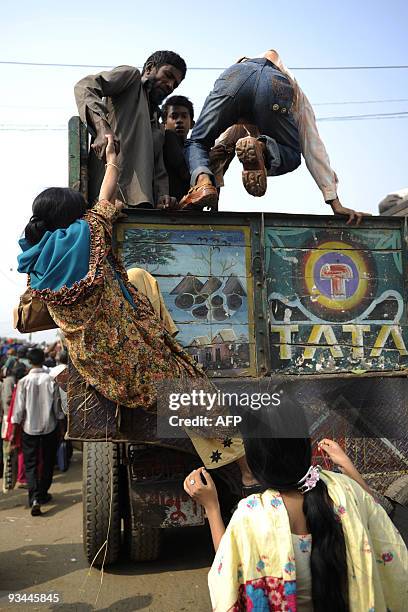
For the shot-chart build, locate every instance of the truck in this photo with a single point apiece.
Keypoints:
(257, 297)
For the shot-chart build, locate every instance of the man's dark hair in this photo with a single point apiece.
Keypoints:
(178, 101)
(36, 356)
(161, 58)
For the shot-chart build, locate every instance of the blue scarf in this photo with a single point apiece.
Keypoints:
(61, 258)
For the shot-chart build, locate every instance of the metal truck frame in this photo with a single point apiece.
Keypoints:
(254, 295)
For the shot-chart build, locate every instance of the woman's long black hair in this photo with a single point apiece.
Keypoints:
(279, 463)
(54, 208)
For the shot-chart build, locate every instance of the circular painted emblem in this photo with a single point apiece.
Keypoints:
(337, 277)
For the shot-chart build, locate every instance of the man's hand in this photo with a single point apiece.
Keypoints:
(204, 493)
(353, 215)
(120, 207)
(103, 131)
(167, 202)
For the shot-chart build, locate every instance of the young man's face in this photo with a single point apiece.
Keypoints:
(179, 120)
(164, 81)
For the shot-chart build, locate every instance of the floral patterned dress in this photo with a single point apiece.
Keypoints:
(255, 568)
(119, 349)
(123, 349)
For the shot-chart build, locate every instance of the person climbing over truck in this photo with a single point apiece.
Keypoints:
(260, 91)
(115, 339)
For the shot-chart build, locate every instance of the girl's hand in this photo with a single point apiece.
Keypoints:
(205, 493)
(339, 457)
(100, 142)
(110, 152)
(336, 453)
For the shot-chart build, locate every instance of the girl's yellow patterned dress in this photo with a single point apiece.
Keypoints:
(254, 568)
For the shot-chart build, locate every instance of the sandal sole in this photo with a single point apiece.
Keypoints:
(254, 172)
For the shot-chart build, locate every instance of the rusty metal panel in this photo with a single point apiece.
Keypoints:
(164, 504)
(156, 490)
(335, 299)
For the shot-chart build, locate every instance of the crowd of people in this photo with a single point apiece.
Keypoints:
(32, 419)
(302, 538)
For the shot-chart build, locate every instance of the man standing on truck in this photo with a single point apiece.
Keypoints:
(260, 91)
(124, 103)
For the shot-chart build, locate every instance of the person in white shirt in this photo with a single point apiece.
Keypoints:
(38, 411)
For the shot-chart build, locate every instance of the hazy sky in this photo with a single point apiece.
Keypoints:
(369, 156)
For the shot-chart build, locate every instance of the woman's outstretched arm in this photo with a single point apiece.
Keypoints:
(205, 493)
(339, 457)
(110, 180)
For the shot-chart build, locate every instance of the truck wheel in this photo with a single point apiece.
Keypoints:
(142, 542)
(101, 512)
(398, 490)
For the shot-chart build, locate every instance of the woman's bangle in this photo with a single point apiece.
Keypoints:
(114, 165)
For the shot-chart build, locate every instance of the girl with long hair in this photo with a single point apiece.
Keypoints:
(306, 539)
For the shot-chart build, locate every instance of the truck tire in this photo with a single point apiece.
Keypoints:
(398, 490)
(142, 542)
(101, 512)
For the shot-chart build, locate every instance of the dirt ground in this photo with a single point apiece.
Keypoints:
(44, 554)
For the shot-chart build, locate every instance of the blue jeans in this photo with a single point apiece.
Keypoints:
(254, 92)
